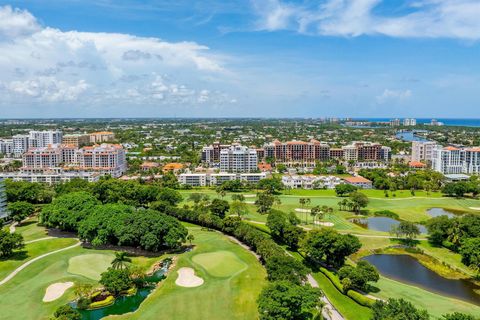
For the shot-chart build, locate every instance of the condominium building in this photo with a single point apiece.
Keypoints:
(102, 136)
(6, 146)
(215, 179)
(310, 181)
(422, 151)
(472, 161)
(211, 154)
(77, 140)
(50, 176)
(452, 160)
(40, 139)
(20, 144)
(238, 159)
(105, 159)
(359, 182)
(395, 122)
(409, 122)
(3, 200)
(297, 152)
(366, 151)
(449, 160)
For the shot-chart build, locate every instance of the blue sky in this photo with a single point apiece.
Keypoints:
(269, 58)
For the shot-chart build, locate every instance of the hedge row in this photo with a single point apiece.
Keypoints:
(356, 296)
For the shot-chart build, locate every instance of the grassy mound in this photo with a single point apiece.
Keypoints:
(220, 263)
(89, 265)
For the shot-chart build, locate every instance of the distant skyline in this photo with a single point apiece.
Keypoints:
(240, 58)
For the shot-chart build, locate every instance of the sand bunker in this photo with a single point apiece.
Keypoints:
(303, 210)
(250, 202)
(187, 278)
(250, 195)
(56, 290)
(325, 224)
(474, 208)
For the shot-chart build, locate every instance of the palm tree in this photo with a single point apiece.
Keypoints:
(120, 261)
(314, 212)
(190, 238)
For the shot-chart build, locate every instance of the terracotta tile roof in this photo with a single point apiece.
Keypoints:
(450, 148)
(416, 164)
(357, 179)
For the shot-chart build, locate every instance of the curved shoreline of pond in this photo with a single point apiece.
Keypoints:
(407, 269)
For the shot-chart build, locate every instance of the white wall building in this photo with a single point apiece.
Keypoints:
(6, 146)
(40, 139)
(20, 144)
(238, 159)
(409, 122)
(422, 151)
(310, 181)
(449, 160)
(215, 179)
(50, 177)
(193, 179)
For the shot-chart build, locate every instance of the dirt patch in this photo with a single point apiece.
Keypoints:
(56, 290)
(187, 278)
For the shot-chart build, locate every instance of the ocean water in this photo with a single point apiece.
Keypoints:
(447, 122)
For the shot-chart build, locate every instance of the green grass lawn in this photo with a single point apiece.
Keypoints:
(227, 293)
(31, 251)
(436, 305)
(22, 296)
(344, 304)
(90, 265)
(30, 230)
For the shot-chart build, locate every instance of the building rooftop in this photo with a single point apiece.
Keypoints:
(357, 179)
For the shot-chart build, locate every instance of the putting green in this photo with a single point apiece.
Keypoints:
(220, 263)
(89, 265)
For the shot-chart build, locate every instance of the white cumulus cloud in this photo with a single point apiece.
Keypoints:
(457, 19)
(393, 96)
(42, 64)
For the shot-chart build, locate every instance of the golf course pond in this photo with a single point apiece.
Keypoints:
(125, 304)
(381, 224)
(407, 269)
(437, 212)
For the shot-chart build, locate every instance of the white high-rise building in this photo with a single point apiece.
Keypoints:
(20, 144)
(6, 146)
(422, 151)
(238, 159)
(408, 122)
(451, 160)
(41, 139)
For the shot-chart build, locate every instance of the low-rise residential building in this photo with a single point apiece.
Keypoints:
(216, 179)
(50, 176)
(148, 165)
(173, 167)
(310, 181)
(359, 182)
(193, 179)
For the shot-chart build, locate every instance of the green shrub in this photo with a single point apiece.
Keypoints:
(360, 298)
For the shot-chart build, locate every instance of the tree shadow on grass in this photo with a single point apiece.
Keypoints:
(17, 255)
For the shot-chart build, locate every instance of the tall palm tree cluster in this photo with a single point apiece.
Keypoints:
(316, 212)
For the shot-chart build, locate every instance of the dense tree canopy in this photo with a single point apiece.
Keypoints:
(26, 191)
(9, 242)
(359, 276)
(283, 300)
(66, 211)
(20, 210)
(329, 246)
(397, 310)
(123, 225)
